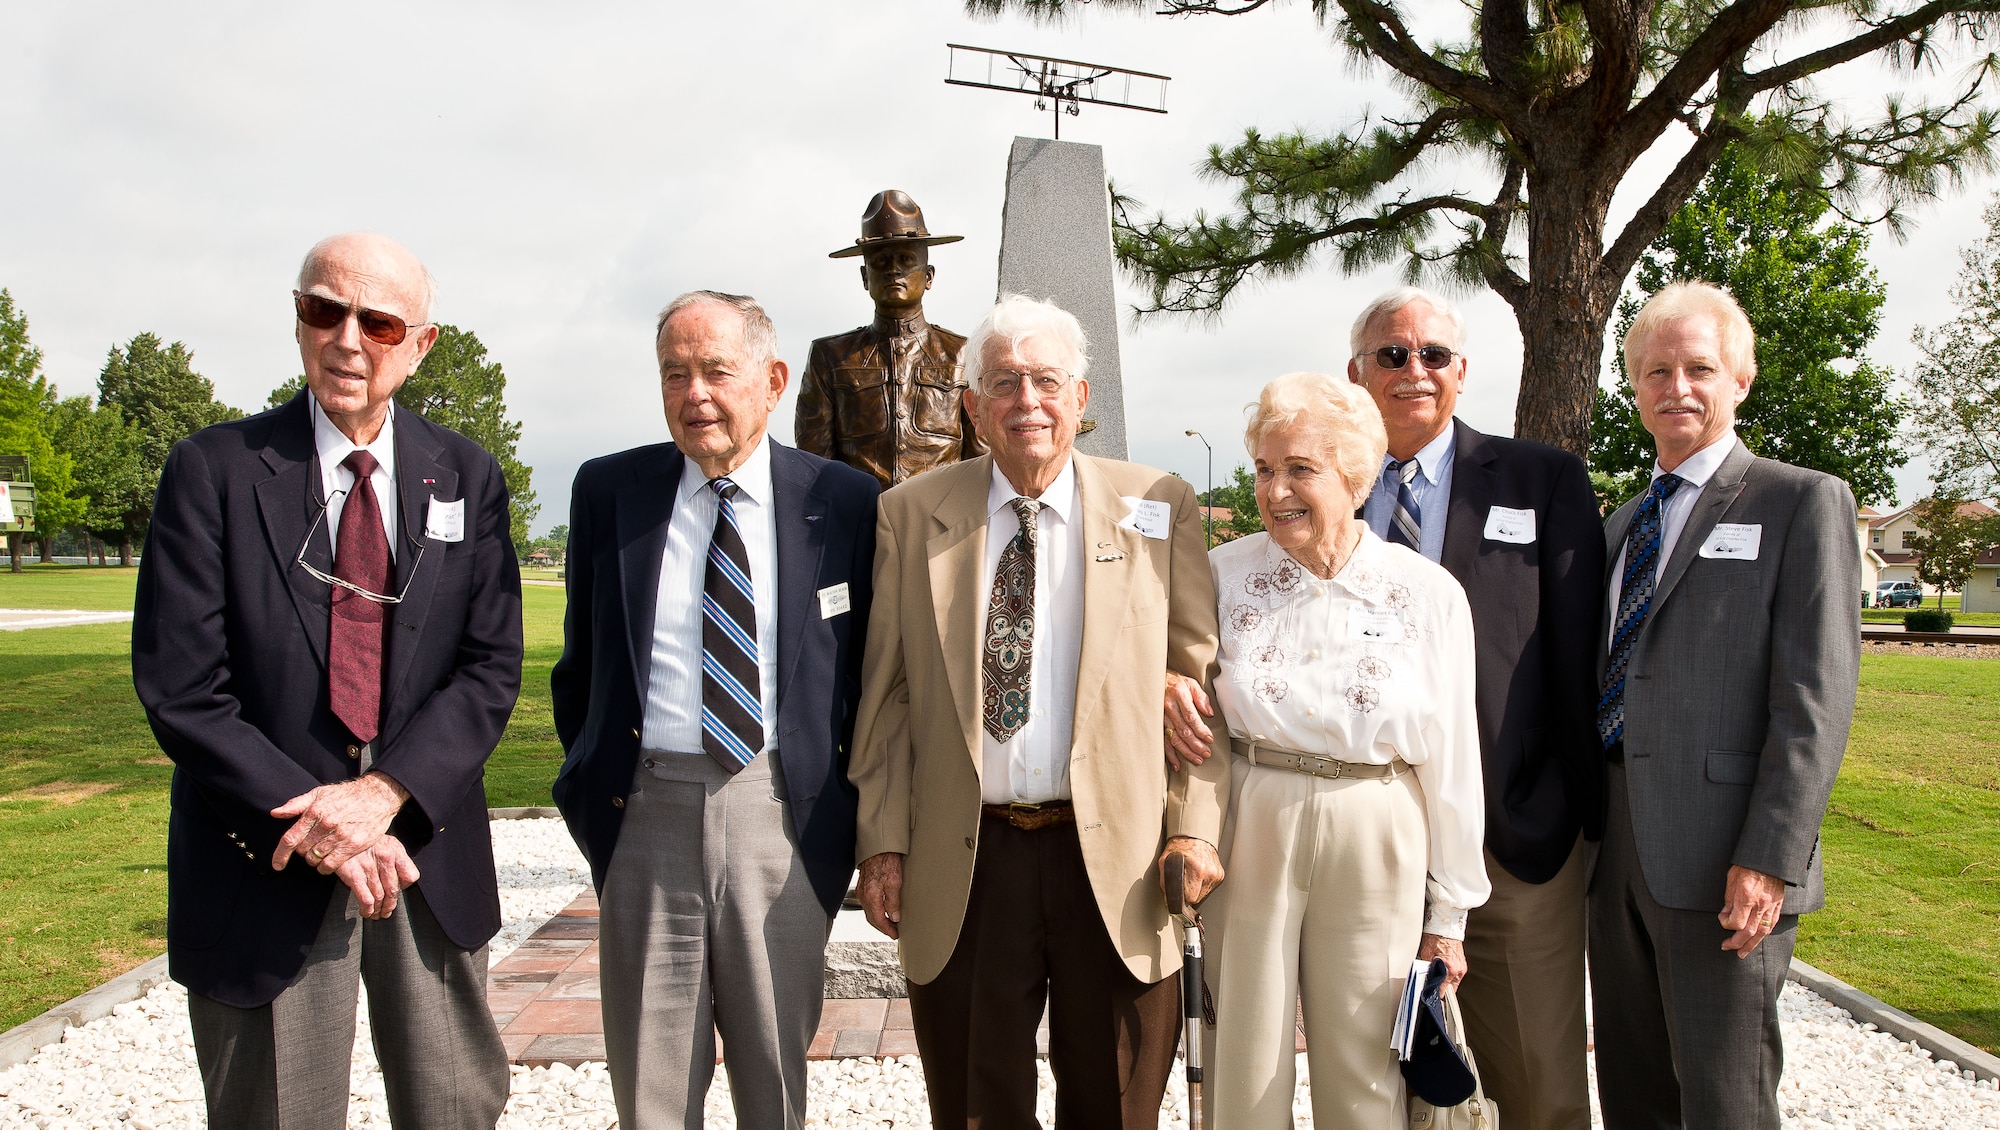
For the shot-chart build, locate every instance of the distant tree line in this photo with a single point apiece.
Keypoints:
(96, 462)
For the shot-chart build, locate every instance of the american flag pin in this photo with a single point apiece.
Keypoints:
(430, 482)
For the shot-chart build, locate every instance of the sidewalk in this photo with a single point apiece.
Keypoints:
(545, 997)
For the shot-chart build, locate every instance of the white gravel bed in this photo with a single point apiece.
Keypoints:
(136, 1068)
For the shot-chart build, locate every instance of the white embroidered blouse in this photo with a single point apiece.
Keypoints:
(1372, 665)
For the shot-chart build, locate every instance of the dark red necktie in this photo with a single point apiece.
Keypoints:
(360, 625)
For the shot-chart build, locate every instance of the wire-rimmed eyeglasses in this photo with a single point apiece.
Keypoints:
(350, 586)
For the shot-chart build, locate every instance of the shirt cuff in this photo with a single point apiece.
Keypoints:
(1445, 921)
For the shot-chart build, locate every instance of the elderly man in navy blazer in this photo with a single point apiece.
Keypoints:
(327, 642)
(718, 598)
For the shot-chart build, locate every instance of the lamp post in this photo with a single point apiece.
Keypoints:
(1208, 508)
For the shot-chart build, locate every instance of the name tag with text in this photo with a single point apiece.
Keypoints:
(1733, 542)
(1504, 523)
(833, 601)
(445, 521)
(1150, 518)
(1381, 625)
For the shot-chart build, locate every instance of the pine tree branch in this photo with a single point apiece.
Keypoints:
(1615, 30)
(1381, 31)
(1498, 220)
(1207, 7)
(1652, 216)
(1732, 33)
(1879, 36)
(1503, 39)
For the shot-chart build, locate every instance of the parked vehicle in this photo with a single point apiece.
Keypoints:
(1899, 594)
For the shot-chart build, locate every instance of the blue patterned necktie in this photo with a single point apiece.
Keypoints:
(732, 703)
(1008, 656)
(1407, 526)
(1635, 599)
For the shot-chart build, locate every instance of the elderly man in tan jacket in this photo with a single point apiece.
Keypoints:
(1014, 804)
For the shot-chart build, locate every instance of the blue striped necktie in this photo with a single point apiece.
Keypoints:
(1407, 526)
(1635, 599)
(732, 703)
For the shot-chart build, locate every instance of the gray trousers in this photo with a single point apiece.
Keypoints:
(1687, 1032)
(284, 1066)
(708, 922)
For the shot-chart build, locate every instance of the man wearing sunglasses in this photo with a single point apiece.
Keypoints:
(1516, 523)
(327, 642)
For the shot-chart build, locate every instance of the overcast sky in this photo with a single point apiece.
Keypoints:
(567, 169)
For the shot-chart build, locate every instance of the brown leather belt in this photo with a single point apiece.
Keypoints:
(1032, 817)
(1258, 752)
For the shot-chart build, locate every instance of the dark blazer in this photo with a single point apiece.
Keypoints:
(1740, 688)
(229, 643)
(1534, 607)
(620, 506)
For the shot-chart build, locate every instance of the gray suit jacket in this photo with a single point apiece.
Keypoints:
(1742, 686)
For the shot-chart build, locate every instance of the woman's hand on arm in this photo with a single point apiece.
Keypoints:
(1187, 735)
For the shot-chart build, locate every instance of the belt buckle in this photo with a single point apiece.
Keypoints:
(1022, 808)
(1329, 767)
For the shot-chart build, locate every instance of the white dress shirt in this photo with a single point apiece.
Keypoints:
(673, 685)
(1431, 489)
(1697, 469)
(1372, 665)
(336, 480)
(1033, 765)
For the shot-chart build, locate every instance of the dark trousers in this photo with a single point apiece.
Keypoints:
(284, 1066)
(1687, 1032)
(1033, 935)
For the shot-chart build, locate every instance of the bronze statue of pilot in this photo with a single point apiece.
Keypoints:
(885, 398)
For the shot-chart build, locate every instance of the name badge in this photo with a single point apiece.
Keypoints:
(1504, 523)
(833, 601)
(1733, 542)
(1150, 518)
(1381, 625)
(445, 521)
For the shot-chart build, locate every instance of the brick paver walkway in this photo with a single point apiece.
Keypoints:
(544, 996)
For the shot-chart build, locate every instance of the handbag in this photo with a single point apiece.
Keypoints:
(1475, 1113)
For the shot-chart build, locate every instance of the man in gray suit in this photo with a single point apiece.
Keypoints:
(1732, 658)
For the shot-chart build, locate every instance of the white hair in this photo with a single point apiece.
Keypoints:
(1357, 338)
(1355, 438)
(758, 333)
(1016, 318)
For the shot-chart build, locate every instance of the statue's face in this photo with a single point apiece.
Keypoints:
(898, 275)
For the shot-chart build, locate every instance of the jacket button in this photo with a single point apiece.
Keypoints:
(968, 843)
(648, 763)
(354, 751)
(618, 802)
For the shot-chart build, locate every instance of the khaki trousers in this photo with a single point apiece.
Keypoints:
(1523, 997)
(1323, 905)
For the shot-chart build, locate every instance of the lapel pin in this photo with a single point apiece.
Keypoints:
(812, 517)
(430, 482)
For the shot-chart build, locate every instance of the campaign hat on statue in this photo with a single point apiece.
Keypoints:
(892, 217)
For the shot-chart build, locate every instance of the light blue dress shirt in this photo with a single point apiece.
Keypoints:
(1431, 488)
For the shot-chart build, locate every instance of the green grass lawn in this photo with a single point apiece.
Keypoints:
(1912, 841)
(83, 787)
(1912, 845)
(94, 587)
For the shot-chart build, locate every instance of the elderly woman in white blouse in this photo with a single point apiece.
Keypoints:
(1352, 842)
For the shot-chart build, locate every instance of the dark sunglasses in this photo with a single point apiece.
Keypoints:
(322, 313)
(1396, 356)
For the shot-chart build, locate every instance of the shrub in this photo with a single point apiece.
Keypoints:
(1927, 620)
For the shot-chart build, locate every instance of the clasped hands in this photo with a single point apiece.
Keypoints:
(343, 830)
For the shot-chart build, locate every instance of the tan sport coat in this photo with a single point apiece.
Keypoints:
(1148, 604)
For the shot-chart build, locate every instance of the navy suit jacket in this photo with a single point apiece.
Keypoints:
(620, 507)
(229, 641)
(1535, 609)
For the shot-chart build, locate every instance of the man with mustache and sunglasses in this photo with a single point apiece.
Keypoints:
(1516, 524)
(327, 642)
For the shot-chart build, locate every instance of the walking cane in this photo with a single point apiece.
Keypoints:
(1174, 871)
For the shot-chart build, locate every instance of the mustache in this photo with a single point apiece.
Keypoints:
(1675, 405)
(1427, 388)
